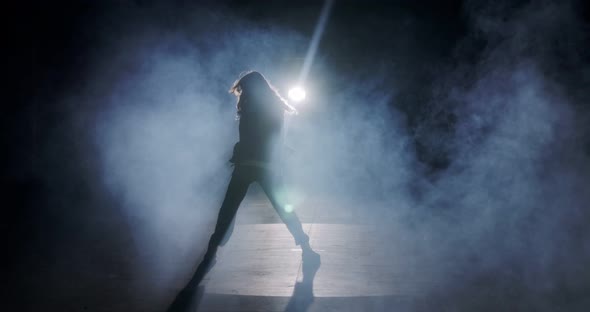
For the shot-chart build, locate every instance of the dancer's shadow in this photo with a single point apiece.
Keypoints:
(303, 297)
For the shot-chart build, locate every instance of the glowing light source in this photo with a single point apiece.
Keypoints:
(297, 94)
(288, 208)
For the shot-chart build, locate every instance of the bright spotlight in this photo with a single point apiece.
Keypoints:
(297, 94)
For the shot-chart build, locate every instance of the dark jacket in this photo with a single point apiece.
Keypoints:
(260, 138)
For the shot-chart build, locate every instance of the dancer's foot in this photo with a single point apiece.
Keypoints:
(311, 259)
(187, 300)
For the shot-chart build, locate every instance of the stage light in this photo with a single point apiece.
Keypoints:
(297, 94)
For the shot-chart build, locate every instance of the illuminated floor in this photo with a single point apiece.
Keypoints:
(258, 270)
(262, 260)
(360, 271)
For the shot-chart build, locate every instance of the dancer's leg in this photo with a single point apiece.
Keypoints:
(270, 185)
(236, 191)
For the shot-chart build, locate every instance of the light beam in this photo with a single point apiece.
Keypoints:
(315, 40)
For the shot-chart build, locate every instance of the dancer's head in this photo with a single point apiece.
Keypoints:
(256, 94)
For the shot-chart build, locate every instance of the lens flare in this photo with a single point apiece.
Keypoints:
(297, 94)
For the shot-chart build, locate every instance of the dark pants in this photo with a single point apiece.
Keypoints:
(241, 179)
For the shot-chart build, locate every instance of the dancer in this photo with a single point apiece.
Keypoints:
(256, 158)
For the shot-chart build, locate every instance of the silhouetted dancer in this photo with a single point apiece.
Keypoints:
(256, 158)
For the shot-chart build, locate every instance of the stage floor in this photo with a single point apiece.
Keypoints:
(362, 267)
(260, 266)
(365, 266)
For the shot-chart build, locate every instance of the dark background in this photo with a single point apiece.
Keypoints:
(50, 50)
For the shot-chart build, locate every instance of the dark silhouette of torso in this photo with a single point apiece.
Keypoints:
(260, 137)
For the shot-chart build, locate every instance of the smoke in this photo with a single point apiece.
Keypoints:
(511, 204)
(503, 219)
(357, 150)
(167, 125)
